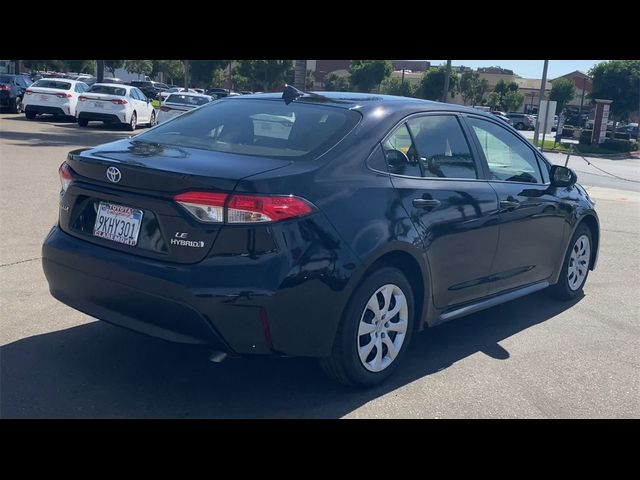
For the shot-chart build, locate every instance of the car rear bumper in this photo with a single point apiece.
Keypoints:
(46, 109)
(102, 117)
(217, 303)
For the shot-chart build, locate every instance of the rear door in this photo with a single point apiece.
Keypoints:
(454, 209)
(531, 219)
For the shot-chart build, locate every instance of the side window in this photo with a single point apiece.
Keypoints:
(400, 153)
(141, 96)
(509, 158)
(134, 94)
(78, 88)
(441, 147)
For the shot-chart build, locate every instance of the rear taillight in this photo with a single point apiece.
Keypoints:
(66, 177)
(82, 98)
(216, 207)
(266, 208)
(28, 92)
(119, 101)
(204, 206)
(63, 95)
(5, 87)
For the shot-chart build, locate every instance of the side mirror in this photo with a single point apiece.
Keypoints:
(562, 176)
(396, 159)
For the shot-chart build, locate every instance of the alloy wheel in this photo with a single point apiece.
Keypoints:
(579, 262)
(383, 328)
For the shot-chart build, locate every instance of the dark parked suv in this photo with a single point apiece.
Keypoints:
(12, 88)
(329, 225)
(149, 88)
(522, 121)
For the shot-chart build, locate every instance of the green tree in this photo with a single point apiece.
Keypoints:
(432, 83)
(171, 69)
(494, 100)
(113, 65)
(337, 83)
(81, 66)
(201, 72)
(264, 75)
(141, 67)
(617, 80)
(394, 86)
(512, 100)
(481, 88)
(49, 65)
(562, 91)
(310, 81)
(468, 84)
(368, 74)
(217, 78)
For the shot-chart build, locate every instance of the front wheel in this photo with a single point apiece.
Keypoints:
(83, 122)
(17, 106)
(31, 115)
(520, 126)
(375, 330)
(575, 267)
(152, 121)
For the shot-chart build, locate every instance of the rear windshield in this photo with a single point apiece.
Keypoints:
(108, 90)
(187, 100)
(44, 83)
(5, 79)
(263, 128)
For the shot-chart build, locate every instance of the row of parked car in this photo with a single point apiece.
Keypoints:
(105, 102)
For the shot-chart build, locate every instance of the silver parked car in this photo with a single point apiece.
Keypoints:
(522, 121)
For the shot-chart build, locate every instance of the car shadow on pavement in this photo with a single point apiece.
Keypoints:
(99, 371)
(67, 134)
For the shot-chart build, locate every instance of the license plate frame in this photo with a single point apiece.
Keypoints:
(118, 223)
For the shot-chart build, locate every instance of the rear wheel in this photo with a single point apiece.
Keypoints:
(131, 126)
(375, 331)
(575, 268)
(519, 126)
(152, 121)
(83, 122)
(17, 106)
(30, 115)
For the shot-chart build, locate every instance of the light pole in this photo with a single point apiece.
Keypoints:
(542, 85)
(584, 85)
(447, 77)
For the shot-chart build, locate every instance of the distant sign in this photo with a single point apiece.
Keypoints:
(546, 113)
(603, 124)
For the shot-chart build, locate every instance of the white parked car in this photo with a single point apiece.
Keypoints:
(163, 95)
(55, 96)
(114, 103)
(178, 103)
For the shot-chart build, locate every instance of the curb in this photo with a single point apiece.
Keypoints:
(607, 156)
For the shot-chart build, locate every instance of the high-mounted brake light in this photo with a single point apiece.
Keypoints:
(65, 177)
(204, 206)
(212, 207)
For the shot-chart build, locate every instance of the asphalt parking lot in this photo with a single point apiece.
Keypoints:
(533, 357)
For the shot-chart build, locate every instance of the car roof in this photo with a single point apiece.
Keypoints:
(59, 79)
(116, 85)
(189, 94)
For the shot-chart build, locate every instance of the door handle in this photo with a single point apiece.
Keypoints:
(425, 203)
(509, 204)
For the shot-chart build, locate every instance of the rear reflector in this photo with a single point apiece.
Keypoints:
(65, 177)
(212, 207)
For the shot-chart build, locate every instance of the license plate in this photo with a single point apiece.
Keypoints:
(118, 223)
(44, 97)
(98, 104)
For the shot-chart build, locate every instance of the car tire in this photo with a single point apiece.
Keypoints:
(364, 337)
(520, 126)
(152, 121)
(133, 123)
(575, 266)
(83, 122)
(17, 107)
(30, 115)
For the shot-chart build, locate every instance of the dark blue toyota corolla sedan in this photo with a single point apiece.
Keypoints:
(331, 225)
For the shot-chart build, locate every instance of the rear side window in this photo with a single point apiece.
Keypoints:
(400, 153)
(442, 148)
(263, 128)
(108, 90)
(52, 84)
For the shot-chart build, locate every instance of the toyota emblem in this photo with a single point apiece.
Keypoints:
(113, 174)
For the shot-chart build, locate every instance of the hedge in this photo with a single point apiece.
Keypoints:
(620, 145)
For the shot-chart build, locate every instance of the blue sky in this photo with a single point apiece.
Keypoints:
(528, 68)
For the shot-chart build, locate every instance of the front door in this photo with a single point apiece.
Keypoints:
(453, 209)
(531, 217)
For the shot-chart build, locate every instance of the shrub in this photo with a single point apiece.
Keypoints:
(585, 137)
(620, 145)
(620, 136)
